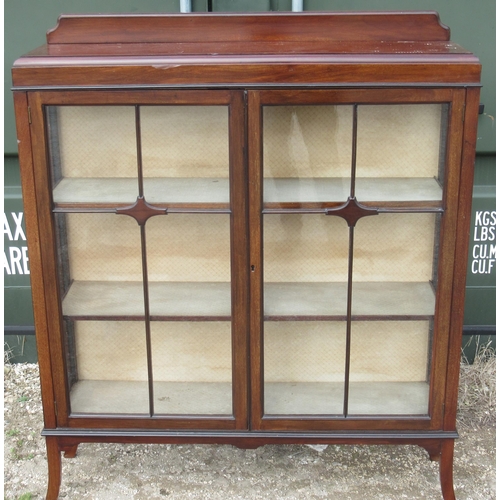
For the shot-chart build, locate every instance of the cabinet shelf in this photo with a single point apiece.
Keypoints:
(168, 301)
(377, 190)
(328, 301)
(211, 301)
(365, 398)
(120, 396)
(291, 398)
(215, 191)
(161, 191)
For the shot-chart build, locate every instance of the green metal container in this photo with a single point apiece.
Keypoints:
(472, 25)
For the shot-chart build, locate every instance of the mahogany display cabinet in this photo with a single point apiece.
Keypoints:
(248, 229)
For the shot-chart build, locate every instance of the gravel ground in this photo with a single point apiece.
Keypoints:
(140, 472)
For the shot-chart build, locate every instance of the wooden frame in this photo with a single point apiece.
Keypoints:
(308, 59)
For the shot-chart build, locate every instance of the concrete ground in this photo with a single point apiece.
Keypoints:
(148, 472)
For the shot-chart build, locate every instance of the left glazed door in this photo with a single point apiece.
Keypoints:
(146, 194)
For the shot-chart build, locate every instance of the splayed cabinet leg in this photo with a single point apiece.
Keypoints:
(446, 469)
(54, 464)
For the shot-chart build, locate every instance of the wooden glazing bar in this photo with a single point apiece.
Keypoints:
(139, 150)
(147, 318)
(151, 317)
(144, 264)
(190, 208)
(339, 317)
(381, 317)
(349, 321)
(316, 208)
(354, 149)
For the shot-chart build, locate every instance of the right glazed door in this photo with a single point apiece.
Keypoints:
(353, 209)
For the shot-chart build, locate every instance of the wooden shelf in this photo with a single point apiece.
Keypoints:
(365, 398)
(282, 398)
(176, 190)
(178, 398)
(171, 190)
(368, 190)
(202, 301)
(174, 301)
(328, 301)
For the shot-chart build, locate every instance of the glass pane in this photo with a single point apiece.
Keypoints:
(393, 306)
(401, 152)
(189, 247)
(111, 368)
(304, 364)
(185, 154)
(413, 238)
(307, 153)
(192, 367)
(93, 154)
(389, 367)
(101, 285)
(100, 259)
(190, 285)
(305, 304)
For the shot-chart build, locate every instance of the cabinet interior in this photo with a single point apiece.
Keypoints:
(307, 158)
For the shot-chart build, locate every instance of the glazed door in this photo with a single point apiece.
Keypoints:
(353, 211)
(147, 197)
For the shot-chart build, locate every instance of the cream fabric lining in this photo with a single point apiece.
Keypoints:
(307, 141)
(316, 141)
(97, 141)
(177, 141)
(314, 351)
(191, 351)
(182, 351)
(107, 247)
(185, 141)
(111, 350)
(387, 247)
(299, 141)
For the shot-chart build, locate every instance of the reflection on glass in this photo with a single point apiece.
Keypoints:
(307, 153)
